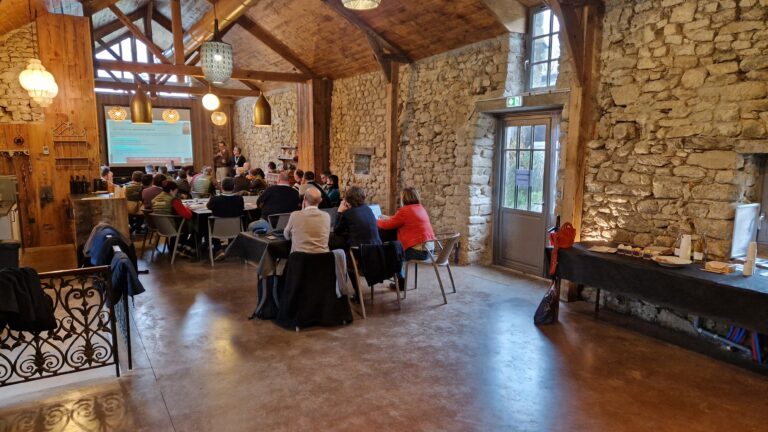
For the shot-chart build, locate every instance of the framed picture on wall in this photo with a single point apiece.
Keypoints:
(362, 160)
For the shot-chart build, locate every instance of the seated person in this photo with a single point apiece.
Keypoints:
(204, 184)
(181, 181)
(133, 188)
(258, 184)
(356, 221)
(226, 205)
(298, 175)
(168, 203)
(333, 190)
(241, 182)
(413, 227)
(324, 180)
(272, 168)
(310, 228)
(280, 198)
(148, 194)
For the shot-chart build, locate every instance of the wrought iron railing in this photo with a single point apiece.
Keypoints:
(85, 337)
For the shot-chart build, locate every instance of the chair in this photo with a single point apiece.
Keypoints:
(446, 246)
(168, 227)
(222, 229)
(199, 195)
(351, 253)
(151, 229)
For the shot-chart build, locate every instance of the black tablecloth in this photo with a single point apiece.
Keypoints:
(731, 298)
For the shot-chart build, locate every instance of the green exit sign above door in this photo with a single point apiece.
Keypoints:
(514, 101)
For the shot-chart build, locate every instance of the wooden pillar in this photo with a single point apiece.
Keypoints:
(393, 138)
(178, 36)
(314, 124)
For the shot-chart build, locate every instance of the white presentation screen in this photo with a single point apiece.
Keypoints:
(159, 143)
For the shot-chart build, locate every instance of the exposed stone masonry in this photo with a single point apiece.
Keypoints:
(446, 148)
(261, 145)
(16, 48)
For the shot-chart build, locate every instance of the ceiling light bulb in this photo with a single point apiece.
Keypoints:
(211, 102)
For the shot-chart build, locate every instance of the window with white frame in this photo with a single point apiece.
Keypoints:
(544, 50)
(124, 49)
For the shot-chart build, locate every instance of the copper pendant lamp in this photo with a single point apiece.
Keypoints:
(141, 107)
(262, 112)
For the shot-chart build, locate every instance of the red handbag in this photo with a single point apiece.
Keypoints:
(561, 239)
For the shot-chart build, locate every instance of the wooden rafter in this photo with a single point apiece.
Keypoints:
(572, 29)
(168, 88)
(273, 43)
(115, 25)
(395, 52)
(117, 56)
(194, 71)
(116, 40)
(90, 7)
(138, 34)
(178, 35)
(381, 58)
(162, 20)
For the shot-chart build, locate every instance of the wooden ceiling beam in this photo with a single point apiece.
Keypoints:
(116, 40)
(139, 35)
(115, 25)
(194, 71)
(117, 56)
(381, 58)
(90, 7)
(167, 88)
(162, 20)
(396, 53)
(570, 26)
(178, 35)
(273, 43)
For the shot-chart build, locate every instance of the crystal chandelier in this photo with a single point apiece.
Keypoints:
(361, 4)
(171, 116)
(219, 118)
(216, 56)
(117, 113)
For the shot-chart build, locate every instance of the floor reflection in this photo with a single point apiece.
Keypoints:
(99, 413)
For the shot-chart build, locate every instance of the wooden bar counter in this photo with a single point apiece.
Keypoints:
(89, 210)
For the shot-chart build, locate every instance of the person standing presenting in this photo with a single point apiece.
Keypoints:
(222, 162)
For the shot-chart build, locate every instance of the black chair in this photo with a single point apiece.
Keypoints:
(309, 297)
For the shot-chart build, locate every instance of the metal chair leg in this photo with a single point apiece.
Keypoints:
(154, 249)
(597, 303)
(175, 247)
(359, 285)
(397, 292)
(416, 276)
(439, 280)
(405, 281)
(450, 275)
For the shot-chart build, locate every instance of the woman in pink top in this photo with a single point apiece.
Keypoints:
(413, 227)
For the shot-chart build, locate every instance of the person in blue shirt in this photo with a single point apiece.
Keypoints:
(333, 190)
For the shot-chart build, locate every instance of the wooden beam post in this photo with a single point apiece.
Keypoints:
(169, 88)
(194, 71)
(573, 30)
(275, 45)
(583, 112)
(393, 138)
(314, 124)
(178, 36)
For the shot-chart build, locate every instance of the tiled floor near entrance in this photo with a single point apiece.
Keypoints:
(477, 364)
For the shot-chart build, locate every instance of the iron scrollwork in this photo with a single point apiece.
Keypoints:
(85, 337)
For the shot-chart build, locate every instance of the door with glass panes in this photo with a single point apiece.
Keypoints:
(524, 206)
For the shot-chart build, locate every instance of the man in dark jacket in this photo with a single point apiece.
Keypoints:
(226, 205)
(280, 198)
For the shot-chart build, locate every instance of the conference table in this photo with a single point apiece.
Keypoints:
(201, 213)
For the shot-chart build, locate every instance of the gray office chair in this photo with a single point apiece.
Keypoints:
(168, 227)
(446, 246)
(222, 229)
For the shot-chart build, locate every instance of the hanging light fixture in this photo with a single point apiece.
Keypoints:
(38, 82)
(216, 56)
(141, 107)
(361, 4)
(171, 116)
(219, 118)
(262, 112)
(117, 113)
(211, 101)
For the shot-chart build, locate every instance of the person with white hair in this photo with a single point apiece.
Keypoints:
(309, 228)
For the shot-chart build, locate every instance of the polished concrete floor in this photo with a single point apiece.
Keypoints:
(476, 364)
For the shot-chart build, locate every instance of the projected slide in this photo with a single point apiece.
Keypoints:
(159, 143)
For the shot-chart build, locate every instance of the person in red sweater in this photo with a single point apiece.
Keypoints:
(413, 227)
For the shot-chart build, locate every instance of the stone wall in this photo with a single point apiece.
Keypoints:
(683, 108)
(682, 93)
(16, 48)
(446, 148)
(260, 145)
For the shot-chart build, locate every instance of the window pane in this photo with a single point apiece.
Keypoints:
(539, 75)
(537, 182)
(510, 161)
(555, 24)
(523, 182)
(541, 22)
(141, 54)
(541, 49)
(555, 47)
(125, 47)
(526, 138)
(102, 74)
(105, 55)
(539, 136)
(553, 73)
(511, 137)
